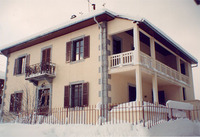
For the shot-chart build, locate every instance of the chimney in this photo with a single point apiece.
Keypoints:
(94, 6)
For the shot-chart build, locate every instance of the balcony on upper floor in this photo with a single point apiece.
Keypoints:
(40, 71)
(125, 61)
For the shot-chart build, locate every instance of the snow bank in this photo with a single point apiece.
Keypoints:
(180, 127)
(134, 106)
(179, 105)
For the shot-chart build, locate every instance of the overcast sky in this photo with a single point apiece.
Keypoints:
(179, 19)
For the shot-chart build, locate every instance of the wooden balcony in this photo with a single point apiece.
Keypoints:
(127, 59)
(40, 71)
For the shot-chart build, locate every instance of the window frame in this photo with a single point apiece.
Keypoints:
(23, 64)
(74, 50)
(71, 49)
(16, 108)
(69, 101)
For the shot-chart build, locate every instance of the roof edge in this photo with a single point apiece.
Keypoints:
(171, 41)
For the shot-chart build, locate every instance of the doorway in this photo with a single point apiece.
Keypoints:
(43, 101)
(132, 93)
(161, 97)
(116, 46)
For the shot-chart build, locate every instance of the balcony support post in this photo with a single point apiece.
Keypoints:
(155, 89)
(136, 40)
(139, 94)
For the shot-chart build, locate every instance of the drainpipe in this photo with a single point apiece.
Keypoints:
(101, 68)
(4, 88)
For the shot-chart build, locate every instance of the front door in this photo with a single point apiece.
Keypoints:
(132, 93)
(43, 102)
(116, 46)
(161, 97)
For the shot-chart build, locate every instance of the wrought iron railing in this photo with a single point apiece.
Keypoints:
(40, 68)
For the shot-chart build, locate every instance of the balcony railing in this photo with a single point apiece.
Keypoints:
(119, 60)
(127, 58)
(39, 69)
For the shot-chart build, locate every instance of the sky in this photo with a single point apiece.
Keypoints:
(179, 19)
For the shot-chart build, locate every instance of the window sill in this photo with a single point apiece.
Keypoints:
(78, 61)
(18, 75)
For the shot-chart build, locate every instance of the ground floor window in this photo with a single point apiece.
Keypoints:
(15, 102)
(76, 95)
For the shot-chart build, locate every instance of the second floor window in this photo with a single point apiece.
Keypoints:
(20, 64)
(78, 49)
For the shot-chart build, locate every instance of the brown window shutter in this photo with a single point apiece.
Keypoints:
(66, 96)
(87, 47)
(68, 51)
(85, 94)
(27, 61)
(12, 99)
(48, 59)
(15, 67)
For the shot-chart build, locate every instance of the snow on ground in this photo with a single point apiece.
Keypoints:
(180, 127)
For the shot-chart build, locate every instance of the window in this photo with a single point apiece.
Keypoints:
(78, 49)
(15, 102)
(1, 89)
(184, 97)
(20, 64)
(46, 55)
(76, 95)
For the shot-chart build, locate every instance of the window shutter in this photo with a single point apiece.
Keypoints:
(85, 94)
(68, 51)
(15, 67)
(66, 96)
(27, 61)
(87, 47)
(18, 102)
(12, 98)
(48, 59)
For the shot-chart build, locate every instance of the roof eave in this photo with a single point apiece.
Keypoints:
(99, 16)
(177, 46)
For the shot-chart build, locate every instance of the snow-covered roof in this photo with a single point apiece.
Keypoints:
(96, 13)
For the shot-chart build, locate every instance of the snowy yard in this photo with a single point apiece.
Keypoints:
(180, 127)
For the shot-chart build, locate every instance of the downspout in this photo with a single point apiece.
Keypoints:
(101, 67)
(4, 88)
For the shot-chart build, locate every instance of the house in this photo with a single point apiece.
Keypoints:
(101, 57)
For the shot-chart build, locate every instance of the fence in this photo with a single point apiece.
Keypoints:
(144, 113)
